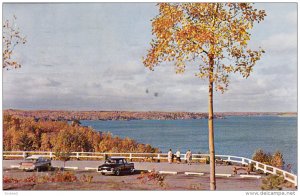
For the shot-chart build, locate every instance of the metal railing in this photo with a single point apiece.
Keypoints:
(159, 156)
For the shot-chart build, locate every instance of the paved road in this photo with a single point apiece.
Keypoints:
(196, 167)
(131, 182)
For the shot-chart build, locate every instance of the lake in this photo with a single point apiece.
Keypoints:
(235, 135)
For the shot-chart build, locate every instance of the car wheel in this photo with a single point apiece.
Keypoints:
(103, 173)
(117, 172)
(132, 170)
(49, 167)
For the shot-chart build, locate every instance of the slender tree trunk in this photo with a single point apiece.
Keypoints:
(211, 126)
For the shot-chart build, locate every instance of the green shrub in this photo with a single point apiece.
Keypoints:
(272, 182)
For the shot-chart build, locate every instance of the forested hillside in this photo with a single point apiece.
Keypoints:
(29, 134)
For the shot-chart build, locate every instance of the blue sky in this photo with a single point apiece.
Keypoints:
(88, 56)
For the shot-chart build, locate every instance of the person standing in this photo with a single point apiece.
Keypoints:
(170, 156)
(178, 156)
(188, 156)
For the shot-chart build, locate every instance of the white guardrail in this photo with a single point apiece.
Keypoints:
(159, 156)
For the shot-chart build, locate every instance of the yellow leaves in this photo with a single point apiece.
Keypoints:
(201, 75)
(243, 43)
(11, 37)
(190, 31)
(249, 25)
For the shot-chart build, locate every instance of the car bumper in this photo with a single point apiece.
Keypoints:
(27, 168)
(106, 172)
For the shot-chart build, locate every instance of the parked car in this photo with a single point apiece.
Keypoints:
(35, 162)
(116, 166)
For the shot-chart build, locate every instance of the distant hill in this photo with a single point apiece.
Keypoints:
(257, 113)
(127, 115)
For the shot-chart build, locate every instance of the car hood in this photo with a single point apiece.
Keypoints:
(27, 162)
(108, 165)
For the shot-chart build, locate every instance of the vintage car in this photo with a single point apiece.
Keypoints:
(35, 162)
(116, 166)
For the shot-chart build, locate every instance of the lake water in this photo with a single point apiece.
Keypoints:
(239, 136)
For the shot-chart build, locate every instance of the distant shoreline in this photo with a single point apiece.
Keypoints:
(132, 115)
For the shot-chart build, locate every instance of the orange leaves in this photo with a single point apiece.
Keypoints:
(11, 38)
(194, 31)
(163, 23)
(20, 134)
(191, 37)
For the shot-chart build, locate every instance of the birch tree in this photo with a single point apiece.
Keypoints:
(212, 36)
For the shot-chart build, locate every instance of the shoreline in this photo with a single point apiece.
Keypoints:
(132, 115)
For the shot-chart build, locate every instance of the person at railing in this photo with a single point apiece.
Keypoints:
(188, 156)
(170, 156)
(178, 156)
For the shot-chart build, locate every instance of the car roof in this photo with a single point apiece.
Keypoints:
(34, 157)
(117, 158)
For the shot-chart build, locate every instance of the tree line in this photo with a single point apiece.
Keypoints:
(29, 134)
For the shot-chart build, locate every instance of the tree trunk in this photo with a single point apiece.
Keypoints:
(211, 126)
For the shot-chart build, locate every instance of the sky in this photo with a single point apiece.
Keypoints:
(88, 56)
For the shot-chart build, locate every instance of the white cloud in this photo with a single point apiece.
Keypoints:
(89, 57)
(281, 43)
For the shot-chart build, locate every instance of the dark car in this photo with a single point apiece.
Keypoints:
(116, 166)
(35, 163)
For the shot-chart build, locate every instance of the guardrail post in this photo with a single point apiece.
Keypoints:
(130, 157)
(265, 169)
(256, 165)
(158, 158)
(284, 175)
(243, 161)
(77, 155)
(24, 155)
(51, 155)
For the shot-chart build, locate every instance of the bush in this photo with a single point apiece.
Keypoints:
(262, 157)
(56, 177)
(87, 178)
(33, 179)
(152, 177)
(275, 160)
(63, 177)
(272, 182)
(7, 179)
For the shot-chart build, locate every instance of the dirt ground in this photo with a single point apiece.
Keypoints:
(130, 182)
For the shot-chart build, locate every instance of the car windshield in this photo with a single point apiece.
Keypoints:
(31, 160)
(113, 161)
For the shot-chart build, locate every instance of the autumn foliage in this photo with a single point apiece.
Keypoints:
(152, 177)
(59, 136)
(11, 37)
(275, 160)
(212, 36)
(54, 177)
